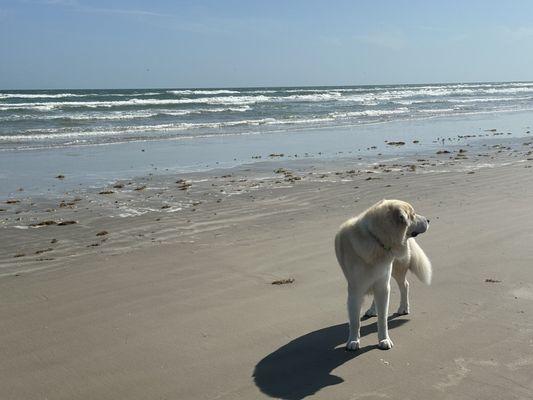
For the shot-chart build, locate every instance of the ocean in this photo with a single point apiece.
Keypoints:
(62, 118)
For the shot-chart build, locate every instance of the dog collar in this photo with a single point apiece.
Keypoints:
(386, 248)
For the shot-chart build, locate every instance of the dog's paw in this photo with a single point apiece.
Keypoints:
(352, 345)
(371, 313)
(403, 311)
(385, 344)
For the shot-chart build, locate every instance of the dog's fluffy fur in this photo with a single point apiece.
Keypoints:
(371, 248)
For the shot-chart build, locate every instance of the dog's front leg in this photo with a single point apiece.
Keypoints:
(381, 298)
(355, 299)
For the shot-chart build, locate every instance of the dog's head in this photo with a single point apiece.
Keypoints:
(404, 215)
(395, 221)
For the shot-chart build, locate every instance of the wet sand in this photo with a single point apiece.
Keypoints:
(178, 301)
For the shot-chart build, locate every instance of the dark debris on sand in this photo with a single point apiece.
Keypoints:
(283, 281)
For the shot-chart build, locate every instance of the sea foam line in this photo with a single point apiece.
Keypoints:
(67, 133)
(120, 115)
(390, 94)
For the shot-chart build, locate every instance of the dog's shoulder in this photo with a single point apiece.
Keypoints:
(355, 237)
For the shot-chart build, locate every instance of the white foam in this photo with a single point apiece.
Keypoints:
(122, 115)
(22, 106)
(437, 110)
(311, 97)
(131, 212)
(202, 91)
(230, 100)
(370, 113)
(37, 95)
(404, 95)
(490, 99)
(67, 133)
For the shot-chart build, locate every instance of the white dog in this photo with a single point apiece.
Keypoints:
(370, 248)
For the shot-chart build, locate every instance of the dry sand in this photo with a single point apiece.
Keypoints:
(197, 317)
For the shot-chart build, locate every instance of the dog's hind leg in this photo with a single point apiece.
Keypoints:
(381, 298)
(400, 278)
(354, 312)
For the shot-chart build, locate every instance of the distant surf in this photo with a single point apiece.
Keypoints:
(49, 118)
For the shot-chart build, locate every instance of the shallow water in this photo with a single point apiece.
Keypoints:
(95, 165)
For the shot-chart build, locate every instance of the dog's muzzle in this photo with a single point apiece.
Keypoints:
(421, 226)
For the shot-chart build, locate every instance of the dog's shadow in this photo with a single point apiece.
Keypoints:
(303, 366)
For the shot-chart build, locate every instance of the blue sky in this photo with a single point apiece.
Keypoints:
(130, 44)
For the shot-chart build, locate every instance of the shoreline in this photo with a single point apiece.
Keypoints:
(164, 207)
(96, 166)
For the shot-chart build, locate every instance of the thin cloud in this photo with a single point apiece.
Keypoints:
(123, 11)
(77, 6)
(67, 3)
(518, 33)
(393, 41)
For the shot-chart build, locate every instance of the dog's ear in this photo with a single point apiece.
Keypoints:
(399, 215)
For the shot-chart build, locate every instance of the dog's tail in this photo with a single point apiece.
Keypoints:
(419, 263)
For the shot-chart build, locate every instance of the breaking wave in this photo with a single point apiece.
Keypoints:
(58, 116)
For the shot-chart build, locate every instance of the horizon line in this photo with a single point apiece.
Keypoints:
(268, 87)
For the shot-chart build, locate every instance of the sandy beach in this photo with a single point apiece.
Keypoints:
(179, 304)
(174, 174)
